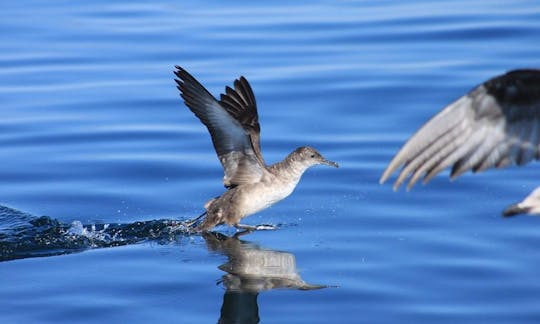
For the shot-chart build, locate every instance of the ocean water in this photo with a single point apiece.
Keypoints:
(99, 155)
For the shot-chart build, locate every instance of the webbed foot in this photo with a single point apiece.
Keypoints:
(261, 227)
(266, 227)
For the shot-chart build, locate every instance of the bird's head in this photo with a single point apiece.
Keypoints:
(530, 205)
(310, 156)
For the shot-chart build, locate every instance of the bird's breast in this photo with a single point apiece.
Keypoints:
(263, 195)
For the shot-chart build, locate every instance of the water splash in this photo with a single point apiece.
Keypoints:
(25, 236)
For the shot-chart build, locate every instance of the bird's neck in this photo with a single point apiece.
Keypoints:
(292, 167)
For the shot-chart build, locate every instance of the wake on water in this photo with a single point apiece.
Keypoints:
(25, 236)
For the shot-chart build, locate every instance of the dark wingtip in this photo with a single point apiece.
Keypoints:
(514, 210)
(179, 73)
(179, 69)
(182, 74)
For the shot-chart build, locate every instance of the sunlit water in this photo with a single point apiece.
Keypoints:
(94, 135)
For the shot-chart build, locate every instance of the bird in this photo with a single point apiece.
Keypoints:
(233, 124)
(495, 125)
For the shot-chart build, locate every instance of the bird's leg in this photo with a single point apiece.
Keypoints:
(245, 227)
(241, 233)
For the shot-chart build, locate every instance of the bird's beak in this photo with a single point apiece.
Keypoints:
(514, 210)
(330, 163)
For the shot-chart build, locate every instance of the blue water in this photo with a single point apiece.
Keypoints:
(93, 133)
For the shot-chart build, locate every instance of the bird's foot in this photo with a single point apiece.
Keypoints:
(261, 227)
(266, 227)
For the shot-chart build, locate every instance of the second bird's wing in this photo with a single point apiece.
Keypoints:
(495, 125)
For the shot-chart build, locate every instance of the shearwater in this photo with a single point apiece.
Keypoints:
(234, 127)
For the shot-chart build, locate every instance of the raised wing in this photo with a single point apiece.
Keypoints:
(495, 125)
(232, 140)
(240, 104)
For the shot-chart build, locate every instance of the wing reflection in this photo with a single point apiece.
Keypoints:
(249, 270)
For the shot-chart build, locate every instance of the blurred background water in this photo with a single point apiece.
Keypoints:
(93, 133)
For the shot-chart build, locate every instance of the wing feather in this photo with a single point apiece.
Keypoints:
(241, 105)
(232, 140)
(495, 125)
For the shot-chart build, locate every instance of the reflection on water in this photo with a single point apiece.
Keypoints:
(249, 270)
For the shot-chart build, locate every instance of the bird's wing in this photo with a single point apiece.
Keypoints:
(240, 104)
(232, 124)
(495, 125)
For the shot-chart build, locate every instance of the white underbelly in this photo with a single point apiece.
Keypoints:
(263, 197)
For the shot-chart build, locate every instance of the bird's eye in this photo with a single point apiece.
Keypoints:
(312, 155)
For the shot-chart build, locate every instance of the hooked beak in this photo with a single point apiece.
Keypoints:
(330, 163)
(514, 210)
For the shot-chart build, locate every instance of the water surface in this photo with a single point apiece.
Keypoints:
(94, 134)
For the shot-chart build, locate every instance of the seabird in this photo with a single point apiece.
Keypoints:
(234, 127)
(496, 124)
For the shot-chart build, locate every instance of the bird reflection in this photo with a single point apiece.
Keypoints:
(249, 270)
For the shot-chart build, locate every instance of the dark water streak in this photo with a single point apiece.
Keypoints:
(25, 236)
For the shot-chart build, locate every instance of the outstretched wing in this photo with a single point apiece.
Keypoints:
(240, 104)
(232, 140)
(495, 125)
